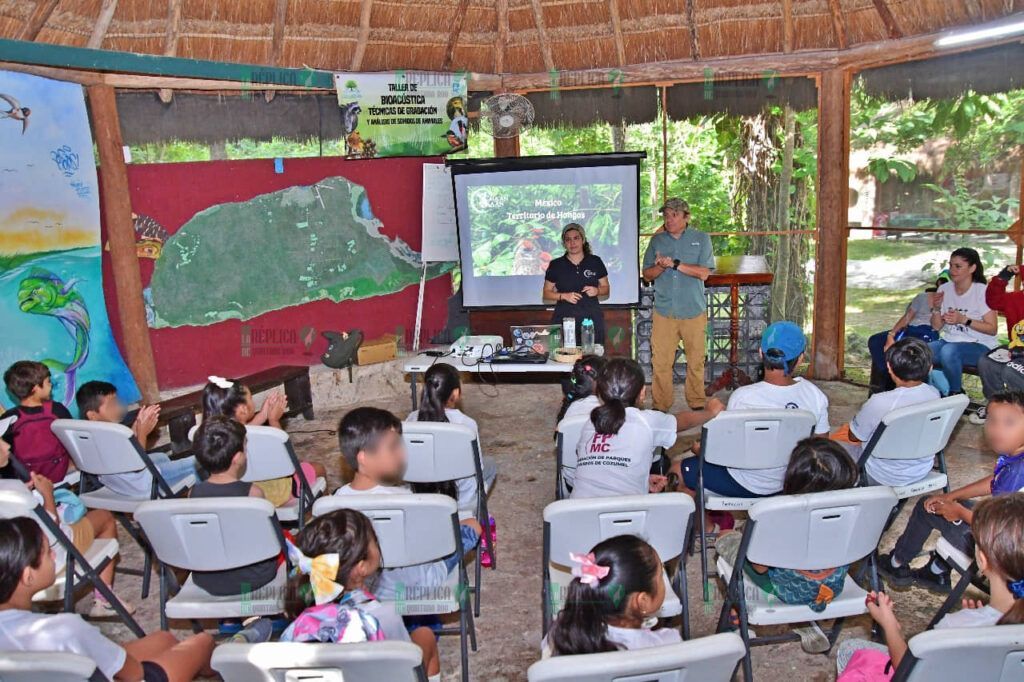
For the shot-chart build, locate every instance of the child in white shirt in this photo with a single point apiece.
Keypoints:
(616, 446)
(909, 362)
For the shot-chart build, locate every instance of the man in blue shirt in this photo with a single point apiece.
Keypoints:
(678, 260)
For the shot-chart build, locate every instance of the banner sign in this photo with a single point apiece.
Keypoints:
(403, 113)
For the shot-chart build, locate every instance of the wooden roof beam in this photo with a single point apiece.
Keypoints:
(99, 29)
(974, 10)
(501, 14)
(277, 40)
(364, 35)
(36, 20)
(787, 25)
(542, 36)
(692, 23)
(838, 23)
(885, 14)
(620, 45)
(171, 41)
(453, 37)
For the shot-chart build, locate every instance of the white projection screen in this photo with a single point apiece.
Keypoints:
(510, 213)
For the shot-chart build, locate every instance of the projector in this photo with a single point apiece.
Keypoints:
(476, 346)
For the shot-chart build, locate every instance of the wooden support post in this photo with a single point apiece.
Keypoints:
(506, 147)
(833, 199)
(117, 213)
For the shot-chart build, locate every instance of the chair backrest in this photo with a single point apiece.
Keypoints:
(210, 533)
(267, 454)
(819, 530)
(578, 525)
(411, 529)
(438, 451)
(917, 431)
(99, 447)
(993, 654)
(569, 430)
(755, 439)
(16, 500)
(708, 659)
(52, 666)
(305, 662)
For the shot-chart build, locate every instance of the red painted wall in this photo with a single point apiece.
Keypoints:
(172, 193)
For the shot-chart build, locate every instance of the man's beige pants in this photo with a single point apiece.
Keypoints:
(666, 334)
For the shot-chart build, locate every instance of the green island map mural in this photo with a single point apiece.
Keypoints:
(297, 245)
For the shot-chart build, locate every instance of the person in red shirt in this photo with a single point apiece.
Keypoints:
(1003, 368)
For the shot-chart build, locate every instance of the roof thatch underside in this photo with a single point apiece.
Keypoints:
(494, 36)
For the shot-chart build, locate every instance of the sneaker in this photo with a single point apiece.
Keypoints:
(254, 630)
(101, 608)
(979, 416)
(812, 639)
(897, 576)
(940, 583)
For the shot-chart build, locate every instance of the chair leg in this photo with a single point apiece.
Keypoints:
(476, 584)
(163, 596)
(112, 599)
(954, 597)
(703, 554)
(464, 652)
(69, 584)
(748, 664)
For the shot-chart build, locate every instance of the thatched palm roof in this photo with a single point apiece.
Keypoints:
(487, 36)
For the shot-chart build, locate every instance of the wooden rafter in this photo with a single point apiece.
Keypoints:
(501, 12)
(620, 45)
(542, 36)
(171, 41)
(36, 20)
(787, 25)
(692, 23)
(364, 35)
(277, 39)
(975, 12)
(453, 37)
(885, 14)
(838, 22)
(103, 19)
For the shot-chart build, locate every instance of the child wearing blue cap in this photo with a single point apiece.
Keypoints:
(782, 351)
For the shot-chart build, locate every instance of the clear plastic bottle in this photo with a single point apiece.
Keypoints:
(587, 334)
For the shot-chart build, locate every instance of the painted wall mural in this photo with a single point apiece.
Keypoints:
(52, 307)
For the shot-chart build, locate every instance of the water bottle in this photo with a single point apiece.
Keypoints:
(587, 332)
(568, 332)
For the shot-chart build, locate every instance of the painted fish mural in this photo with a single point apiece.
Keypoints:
(43, 293)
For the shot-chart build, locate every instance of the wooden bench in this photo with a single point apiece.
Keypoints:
(179, 413)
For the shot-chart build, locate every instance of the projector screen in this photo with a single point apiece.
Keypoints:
(510, 214)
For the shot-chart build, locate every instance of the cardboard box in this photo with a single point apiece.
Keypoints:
(377, 350)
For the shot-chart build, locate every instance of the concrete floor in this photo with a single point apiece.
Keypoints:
(516, 423)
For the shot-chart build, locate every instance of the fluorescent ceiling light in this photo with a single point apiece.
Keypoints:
(964, 37)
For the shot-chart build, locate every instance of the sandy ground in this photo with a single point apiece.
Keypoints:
(516, 423)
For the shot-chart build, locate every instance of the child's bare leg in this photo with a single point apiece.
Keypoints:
(104, 527)
(182, 661)
(424, 638)
(152, 645)
(474, 524)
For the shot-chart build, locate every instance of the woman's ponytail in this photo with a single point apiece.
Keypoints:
(439, 382)
(609, 416)
(618, 387)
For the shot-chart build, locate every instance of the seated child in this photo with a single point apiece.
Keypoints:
(782, 350)
(439, 402)
(817, 465)
(998, 526)
(31, 439)
(616, 447)
(612, 602)
(909, 361)
(83, 529)
(371, 442)
(335, 555)
(27, 566)
(220, 449)
(231, 399)
(98, 401)
(950, 513)
(916, 322)
(581, 398)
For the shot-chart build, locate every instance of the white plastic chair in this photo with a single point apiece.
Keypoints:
(745, 439)
(708, 659)
(99, 448)
(15, 501)
(805, 532)
(269, 455)
(294, 661)
(214, 534)
(52, 666)
(578, 525)
(916, 432)
(439, 451)
(566, 439)
(418, 529)
(993, 654)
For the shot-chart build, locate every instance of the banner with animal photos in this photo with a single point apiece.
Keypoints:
(403, 113)
(52, 308)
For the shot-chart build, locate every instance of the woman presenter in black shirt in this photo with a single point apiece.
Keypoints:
(575, 282)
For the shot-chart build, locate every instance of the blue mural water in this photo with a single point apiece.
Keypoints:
(51, 287)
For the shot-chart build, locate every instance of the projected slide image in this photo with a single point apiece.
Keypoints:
(517, 229)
